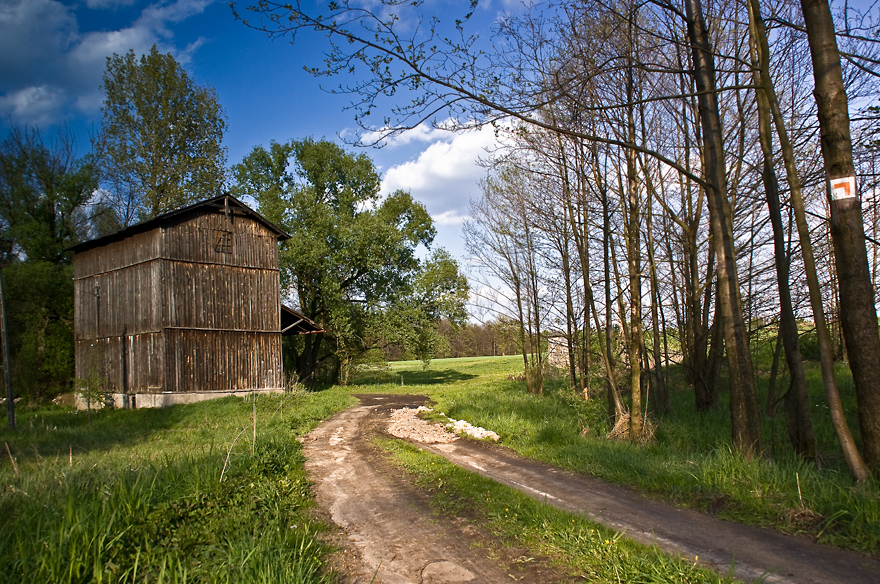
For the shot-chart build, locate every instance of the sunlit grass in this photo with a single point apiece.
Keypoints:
(691, 463)
(137, 496)
(575, 544)
(182, 494)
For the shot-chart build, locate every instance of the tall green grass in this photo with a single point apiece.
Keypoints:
(182, 494)
(691, 463)
(137, 496)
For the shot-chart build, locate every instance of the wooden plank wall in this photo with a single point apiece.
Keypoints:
(197, 302)
(130, 300)
(143, 361)
(137, 248)
(222, 361)
(193, 238)
(222, 297)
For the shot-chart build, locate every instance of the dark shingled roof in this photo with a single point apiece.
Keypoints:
(223, 203)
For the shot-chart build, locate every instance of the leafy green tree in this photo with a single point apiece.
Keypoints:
(351, 262)
(47, 203)
(161, 136)
(438, 291)
(45, 192)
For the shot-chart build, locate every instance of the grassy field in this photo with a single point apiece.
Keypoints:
(216, 492)
(691, 462)
(208, 492)
(574, 544)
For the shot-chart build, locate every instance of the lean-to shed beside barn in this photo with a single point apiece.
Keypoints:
(183, 307)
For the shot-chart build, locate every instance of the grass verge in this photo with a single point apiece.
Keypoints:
(207, 492)
(575, 544)
(691, 463)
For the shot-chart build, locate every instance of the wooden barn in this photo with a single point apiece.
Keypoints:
(183, 307)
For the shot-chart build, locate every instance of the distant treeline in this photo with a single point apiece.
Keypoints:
(497, 337)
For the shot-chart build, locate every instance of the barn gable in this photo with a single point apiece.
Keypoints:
(183, 307)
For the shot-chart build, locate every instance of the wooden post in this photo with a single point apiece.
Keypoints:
(125, 399)
(10, 401)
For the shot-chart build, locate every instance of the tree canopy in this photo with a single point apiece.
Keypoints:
(161, 136)
(44, 191)
(47, 203)
(651, 115)
(351, 263)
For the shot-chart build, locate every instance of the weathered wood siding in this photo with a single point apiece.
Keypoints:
(191, 305)
(251, 245)
(141, 358)
(129, 299)
(223, 297)
(135, 249)
(222, 360)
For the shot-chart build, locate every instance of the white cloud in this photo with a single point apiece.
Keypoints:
(92, 50)
(49, 66)
(108, 3)
(421, 133)
(444, 175)
(453, 217)
(156, 16)
(32, 34)
(35, 105)
(451, 160)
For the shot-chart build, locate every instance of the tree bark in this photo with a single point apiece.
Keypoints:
(633, 251)
(613, 400)
(745, 418)
(858, 314)
(825, 339)
(797, 402)
(661, 395)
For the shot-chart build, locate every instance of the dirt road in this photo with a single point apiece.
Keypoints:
(392, 536)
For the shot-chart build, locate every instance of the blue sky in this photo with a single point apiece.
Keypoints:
(53, 54)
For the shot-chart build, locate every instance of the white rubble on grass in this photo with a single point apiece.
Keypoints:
(405, 423)
(462, 427)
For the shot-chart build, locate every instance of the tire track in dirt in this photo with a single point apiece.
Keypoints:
(398, 540)
(388, 522)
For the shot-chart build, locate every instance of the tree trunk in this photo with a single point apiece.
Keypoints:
(857, 311)
(797, 402)
(745, 418)
(661, 395)
(823, 334)
(772, 392)
(613, 399)
(633, 255)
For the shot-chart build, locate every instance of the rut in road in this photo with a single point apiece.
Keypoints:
(399, 542)
(389, 525)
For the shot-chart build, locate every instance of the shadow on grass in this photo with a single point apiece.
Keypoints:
(62, 432)
(57, 431)
(425, 377)
(160, 520)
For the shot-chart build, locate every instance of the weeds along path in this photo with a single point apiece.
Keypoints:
(398, 540)
(392, 536)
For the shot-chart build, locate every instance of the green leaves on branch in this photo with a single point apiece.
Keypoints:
(161, 136)
(45, 195)
(48, 202)
(351, 263)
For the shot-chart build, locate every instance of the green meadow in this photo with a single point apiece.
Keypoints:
(216, 491)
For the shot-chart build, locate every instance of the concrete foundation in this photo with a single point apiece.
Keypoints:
(161, 400)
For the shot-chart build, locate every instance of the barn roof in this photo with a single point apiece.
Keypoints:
(223, 203)
(295, 322)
